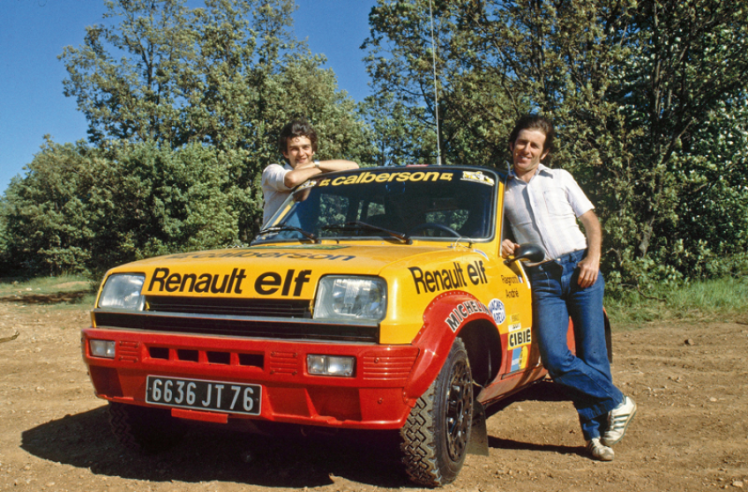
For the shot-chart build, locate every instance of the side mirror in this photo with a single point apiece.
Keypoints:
(528, 252)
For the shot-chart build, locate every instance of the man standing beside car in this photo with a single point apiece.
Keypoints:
(542, 205)
(298, 144)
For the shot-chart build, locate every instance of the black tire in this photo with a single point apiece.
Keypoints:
(435, 436)
(144, 430)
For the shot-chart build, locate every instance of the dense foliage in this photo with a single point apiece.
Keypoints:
(646, 96)
(86, 209)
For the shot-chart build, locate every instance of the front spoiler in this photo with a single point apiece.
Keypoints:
(374, 398)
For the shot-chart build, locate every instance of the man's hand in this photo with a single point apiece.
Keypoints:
(588, 271)
(311, 169)
(589, 267)
(508, 247)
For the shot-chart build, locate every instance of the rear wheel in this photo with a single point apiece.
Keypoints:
(144, 430)
(435, 436)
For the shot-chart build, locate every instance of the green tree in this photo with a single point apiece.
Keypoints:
(228, 74)
(44, 214)
(400, 60)
(81, 209)
(149, 200)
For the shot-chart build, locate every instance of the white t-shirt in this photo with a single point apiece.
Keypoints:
(274, 190)
(545, 210)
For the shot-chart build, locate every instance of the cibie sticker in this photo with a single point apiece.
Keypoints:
(477, 176)
(497, 311)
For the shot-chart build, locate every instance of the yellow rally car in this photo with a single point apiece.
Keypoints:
(376, 299)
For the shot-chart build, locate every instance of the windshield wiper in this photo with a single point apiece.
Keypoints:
(281, 228)
(357, 224)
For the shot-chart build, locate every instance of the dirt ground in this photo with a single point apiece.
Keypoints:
(691, 432)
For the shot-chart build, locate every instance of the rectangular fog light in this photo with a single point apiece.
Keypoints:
(330, 365)
(102, 348)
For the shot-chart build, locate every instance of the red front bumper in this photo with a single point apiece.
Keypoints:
(373, 399)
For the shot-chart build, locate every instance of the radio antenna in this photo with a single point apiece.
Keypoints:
(436, 94)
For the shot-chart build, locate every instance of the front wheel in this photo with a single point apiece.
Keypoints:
(435, 436)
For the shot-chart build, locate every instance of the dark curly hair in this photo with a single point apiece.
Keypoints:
(534, 122)
(297, 128)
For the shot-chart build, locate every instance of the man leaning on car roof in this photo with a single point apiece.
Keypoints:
(543, 206)
(298, 144)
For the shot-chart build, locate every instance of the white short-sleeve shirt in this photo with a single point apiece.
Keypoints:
(274, 190)
(545, 210)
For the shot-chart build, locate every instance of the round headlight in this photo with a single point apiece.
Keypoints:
(122, 291)
(351, 298)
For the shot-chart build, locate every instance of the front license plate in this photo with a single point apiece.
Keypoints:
(213, 396)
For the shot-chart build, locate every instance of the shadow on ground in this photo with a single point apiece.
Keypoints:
(495, 442)
(546, 391)
(212, 453)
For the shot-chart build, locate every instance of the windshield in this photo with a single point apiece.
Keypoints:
(396, 203)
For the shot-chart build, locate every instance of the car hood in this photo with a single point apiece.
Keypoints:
(274, 271)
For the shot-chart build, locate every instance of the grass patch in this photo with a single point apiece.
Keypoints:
(67, 290)
(711, 300)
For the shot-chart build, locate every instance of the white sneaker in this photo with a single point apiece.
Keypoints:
(618, 420)
(599, 451)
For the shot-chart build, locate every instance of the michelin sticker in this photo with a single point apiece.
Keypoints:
(497, 311)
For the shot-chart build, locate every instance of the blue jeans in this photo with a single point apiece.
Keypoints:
(556, 295)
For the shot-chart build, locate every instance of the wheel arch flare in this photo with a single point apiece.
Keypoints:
(450, 315)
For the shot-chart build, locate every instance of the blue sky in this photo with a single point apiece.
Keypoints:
(34, 32)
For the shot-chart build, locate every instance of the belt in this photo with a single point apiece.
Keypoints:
(567, 258)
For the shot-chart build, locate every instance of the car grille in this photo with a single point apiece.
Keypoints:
(272, 319)
(237, 307)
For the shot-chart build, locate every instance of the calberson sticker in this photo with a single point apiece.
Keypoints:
(268, 283)
(497, 311)
(254, 253)
(304, 246)
(367, 177)
(462, 311)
